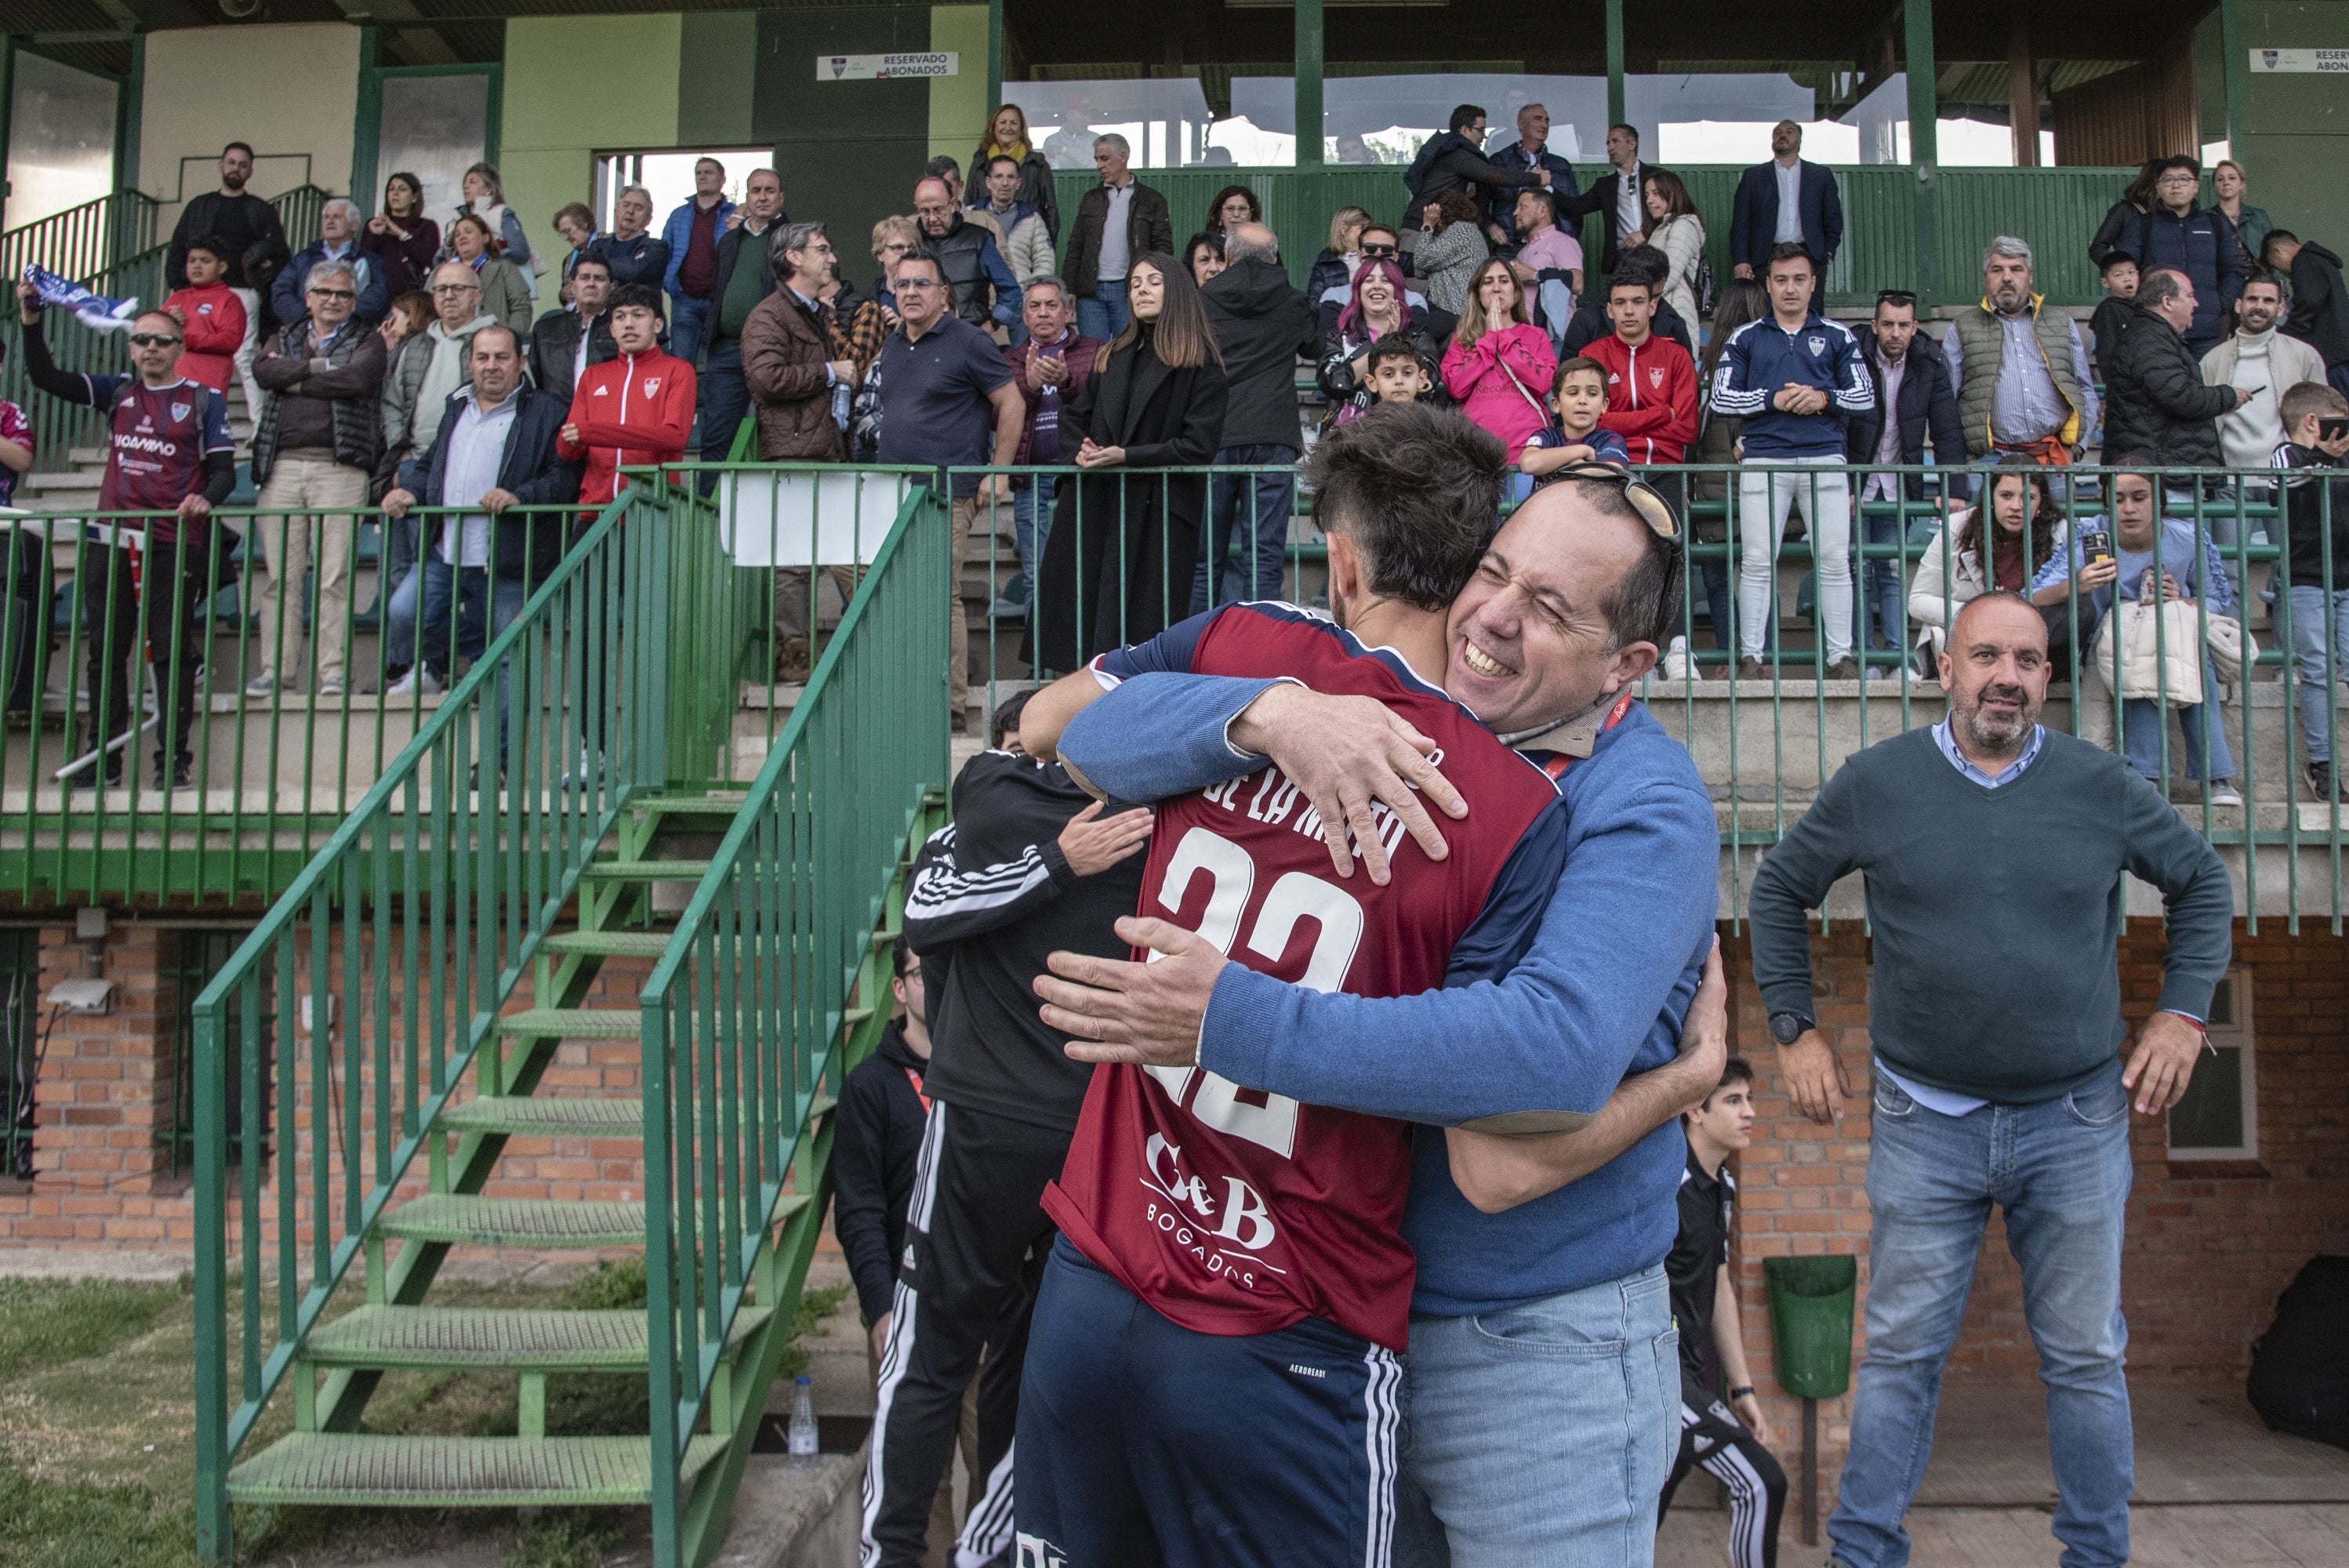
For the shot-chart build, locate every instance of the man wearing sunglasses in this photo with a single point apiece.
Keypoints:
(1524, 1246)
(168, 457)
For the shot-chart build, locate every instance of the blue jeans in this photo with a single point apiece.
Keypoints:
(2060, 1169)
(436, 585)
(1031, 510)
(1104, 315)
(1254, 508)
(686, 319)
(2204, 728)
(1880, 593)
(1541, 1436)
(2318, 676)
(725, 399)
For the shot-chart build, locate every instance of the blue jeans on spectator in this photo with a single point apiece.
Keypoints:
(1104, 313)
(393, 565)
(2320, 680)
(725, 399)
(1031, 510)
(1539, 1436)
(686, 318)
(431, 588)
(1254, 510)
(2203, 726)
(1880, 592)
(2060, 1169)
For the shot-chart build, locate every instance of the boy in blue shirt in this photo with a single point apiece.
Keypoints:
(1578, 395)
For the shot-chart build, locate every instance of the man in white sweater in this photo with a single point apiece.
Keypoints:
(2257, 357)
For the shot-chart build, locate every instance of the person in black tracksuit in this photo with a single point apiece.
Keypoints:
(1725, 1435)
(1029, 865)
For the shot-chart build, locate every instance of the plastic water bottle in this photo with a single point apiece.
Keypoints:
(842, 395)
(803, 1426)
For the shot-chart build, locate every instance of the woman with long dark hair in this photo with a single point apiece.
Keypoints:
(402, 238)
(1500, 366)
(2026, 528)
(1675, 228)
(1232, 205)
(1124, 542)
(2122, 218)
(1377, 310)
(1007, 137)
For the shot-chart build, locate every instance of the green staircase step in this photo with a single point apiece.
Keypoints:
(684, 805)
(371, 1470)
(545, 1116)
(609, 944)
(506, 1339)
(645, 870)
(515, 1222)
(574, 1022)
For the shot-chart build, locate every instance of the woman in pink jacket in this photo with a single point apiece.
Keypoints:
(1499, 364)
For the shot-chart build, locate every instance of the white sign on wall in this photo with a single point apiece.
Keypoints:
(2301, 61)
(886, 67)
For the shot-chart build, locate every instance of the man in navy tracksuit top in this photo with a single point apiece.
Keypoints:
(1794, 378)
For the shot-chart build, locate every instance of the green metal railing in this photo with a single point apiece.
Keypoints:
(743, 1019)
(81, 242)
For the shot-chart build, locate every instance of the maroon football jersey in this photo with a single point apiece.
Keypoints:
(1228, 1210)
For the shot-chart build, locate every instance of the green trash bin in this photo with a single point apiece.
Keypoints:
(1810, 1322)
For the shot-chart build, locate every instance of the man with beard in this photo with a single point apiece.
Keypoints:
(2020, 369)
(238, 220)
(1992, 849)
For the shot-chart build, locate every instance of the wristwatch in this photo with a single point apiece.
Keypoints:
(1787, 1028)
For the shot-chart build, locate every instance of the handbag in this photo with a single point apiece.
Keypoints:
(2149, 636)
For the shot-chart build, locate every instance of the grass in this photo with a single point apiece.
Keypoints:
(46, 1321)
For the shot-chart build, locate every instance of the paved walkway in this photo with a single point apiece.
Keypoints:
(2214, 1535)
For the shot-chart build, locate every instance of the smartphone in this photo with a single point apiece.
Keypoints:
(2331, 427)
(2095, 545)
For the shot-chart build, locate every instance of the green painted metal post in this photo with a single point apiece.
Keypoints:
(994, 57)
(2233, 64)
(367, 123)
(1924, 143)
(7, 103)
(1308, 83)
(129, 103)
(1615, 115)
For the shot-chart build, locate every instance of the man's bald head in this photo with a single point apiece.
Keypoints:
(1995, 672)
(1250, 243)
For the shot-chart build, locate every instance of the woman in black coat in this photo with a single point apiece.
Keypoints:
(1007, 137)
(1117, 564)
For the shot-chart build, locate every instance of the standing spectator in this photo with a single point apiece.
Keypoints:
(1119, 560)
(894, 238)
(1788, 200)
(982, 286)
(1007, 137)
(1052, 367)
(2320, 308)
(1651, 389)
(1619, 195)
(2179, 233)
(494, 448)
(2118, 274)
(1203, 258)
(2121, 218)
(2020, 371)
(505, 292)
(1548, 263)
(423, 368)
(169, 456)
(1451, 248)
(1795, 379)
(338, 241)
(314, 450)
(2155, 399)
(1530, 150)
(1453, 162)
(210, 316)
(1119, 219)
(745, 280)
(635, 255)
(2253, 224)
(1262, 323)
(1646, 265)
(2154, 560)
(485, 198)
(567, 340)
(691, 235)
(248, 226)
(1913, 400)
(1979, 860)
(1998, 546)
(631, 410)
(1378, 310)
(1027, 240)
(949, 173)
(1497, 360)
(400, 240)
(2260, 357)
(2316, 504)
(1720, 443)
(947, 401)
(1232, 205)
(1335, 267)
(1675, 228)
(854, 326)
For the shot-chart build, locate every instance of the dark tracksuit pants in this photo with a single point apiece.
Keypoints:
(172, 585)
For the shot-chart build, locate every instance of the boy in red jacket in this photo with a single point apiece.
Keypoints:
(632, 410)
(1651, 383)
(210, 317)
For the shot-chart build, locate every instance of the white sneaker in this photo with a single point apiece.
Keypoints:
(419, 681)
(331, 686)
(261, 686)
(1676, 660)
(2226, 795)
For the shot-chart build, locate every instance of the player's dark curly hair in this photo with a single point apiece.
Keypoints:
(1419, 491)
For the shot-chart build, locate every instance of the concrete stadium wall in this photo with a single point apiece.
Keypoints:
(577, 84)
(2295, 127)
(299, 119)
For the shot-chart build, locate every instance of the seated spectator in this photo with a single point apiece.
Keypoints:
(210, 316)
(505, 292)
(2025, 530)
(1675, 228)
(1395, 372)
(1335, 267)
(2156, 401)
(1451, 248)
(635, 255)
(1027, 241)
(1203, 255)
(575, 225)
(1051, 369)
(1497, 358)
(2118, 274)
(485, 198)
(2020, 370)
(2178, 232)
(400, 239)
(634, 409)
(1652, 390)
(2316, 424)
(1548, 263)
(567, 341)
(1913, 399)
(1648, 265)
(1232, 205)
(2320, 307)
(1377, 242)
(339, 229)
(983, 287)
(494, 447)
(1377, 313)
(314, 453)
(2189, 570)
(1578, 398)
(1007, 137)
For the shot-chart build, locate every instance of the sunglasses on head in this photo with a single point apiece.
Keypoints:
(150, 340)
(1645, 498)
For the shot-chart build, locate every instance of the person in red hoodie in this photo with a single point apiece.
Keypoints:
(210, 317)
(631, 410)
(1651, 384)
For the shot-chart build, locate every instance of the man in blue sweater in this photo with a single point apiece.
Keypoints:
(1518, 1269)
(1993, 850)
(1795, 379)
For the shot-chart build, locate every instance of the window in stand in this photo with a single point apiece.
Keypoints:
(1713, 112)
(1168, 123)
(1385, 119)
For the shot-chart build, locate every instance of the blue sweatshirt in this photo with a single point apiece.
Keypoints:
(1598, 996)
(1762, 358)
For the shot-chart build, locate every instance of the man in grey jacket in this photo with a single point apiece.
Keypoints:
(1993, 850)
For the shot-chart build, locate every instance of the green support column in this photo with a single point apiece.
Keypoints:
(1308, 83)
(127, 110)
(7, 103)
(1615, 115)
(994, 57)
(1924, 144)
(367, 124)
(2234, 65)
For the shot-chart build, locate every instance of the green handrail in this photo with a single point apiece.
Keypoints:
(82, 242)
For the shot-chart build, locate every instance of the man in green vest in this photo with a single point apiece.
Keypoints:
(2020, 371)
